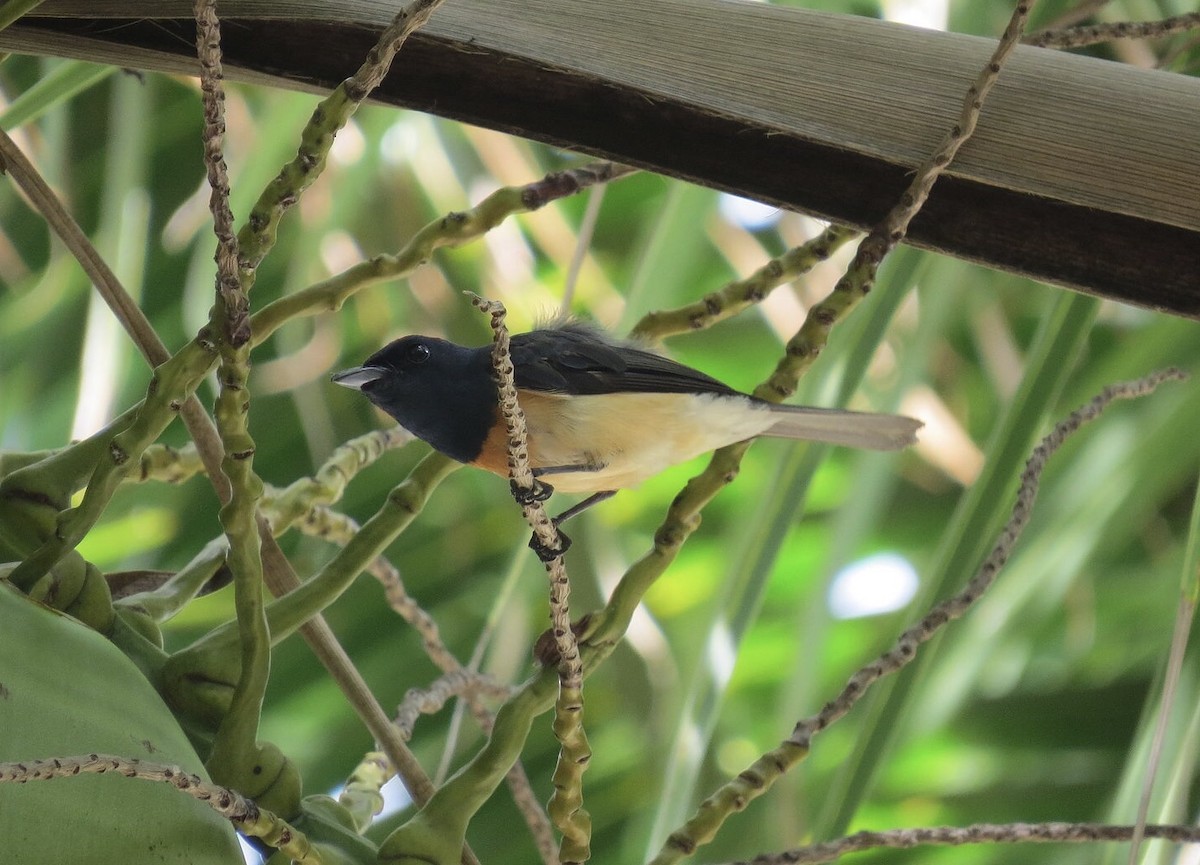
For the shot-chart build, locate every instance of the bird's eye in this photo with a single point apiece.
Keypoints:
(417, 353)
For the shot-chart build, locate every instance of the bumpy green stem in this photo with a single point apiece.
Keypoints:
(802, 350)
(235, 747)
(285, 507)
(257, 237)
(362, 796)
(237, 758)
(436, 833)
(289, 612)
(163, 602)
(454, 229)
(167, 464)
(738, 296)
(171, 383)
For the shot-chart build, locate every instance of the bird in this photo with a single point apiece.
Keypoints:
(602, 413)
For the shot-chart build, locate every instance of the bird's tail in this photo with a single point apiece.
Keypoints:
(882, 432)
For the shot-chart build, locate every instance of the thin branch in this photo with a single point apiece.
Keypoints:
(860, 275)
(212, 95)
(244, 813)
(114, 294)
(763, 773)
(979, 833)
(744, 293)
(46, 203)
(257, 236)
(236, 752)
(453, 229)
(566, 804)
(338, 528)
(1091, 34)
(427, 701)
(905, 649)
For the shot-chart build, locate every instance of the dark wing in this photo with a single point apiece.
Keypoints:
(576, 358)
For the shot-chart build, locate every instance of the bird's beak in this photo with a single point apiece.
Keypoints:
(357, 377)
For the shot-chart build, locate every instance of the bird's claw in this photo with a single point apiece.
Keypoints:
(525, 497)
(546, 553)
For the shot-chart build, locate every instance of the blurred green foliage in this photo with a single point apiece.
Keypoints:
(1037, 707)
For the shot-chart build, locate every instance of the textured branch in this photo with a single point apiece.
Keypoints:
(285, 507)
(1091, 34)
(763, 773)
(116, 297)
(340, 529)
(566, 804)
(803, 349)
(738, 296)
(426, 701)
(244, 813)
(257, 236)
(980, 833)
(236, 754)
(453, 229)
(212, 96)
(64, 226)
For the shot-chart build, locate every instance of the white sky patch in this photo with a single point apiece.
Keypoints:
(721, 654)
(101, 360)
(1189, 855)
(399, 143)
(932, 14)
(349, 145)
(249, 853)
(395, 798)
(878, 584)
(98, 370)
(747, 214)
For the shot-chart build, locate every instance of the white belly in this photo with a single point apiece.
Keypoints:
(629, 437)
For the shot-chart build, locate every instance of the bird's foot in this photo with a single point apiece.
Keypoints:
(539, 492)
(547, 553)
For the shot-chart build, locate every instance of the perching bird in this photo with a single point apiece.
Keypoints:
(602, 414)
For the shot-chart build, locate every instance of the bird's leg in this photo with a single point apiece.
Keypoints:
(545, 553)
(591, 464)
(575, 510)
(541, 491)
